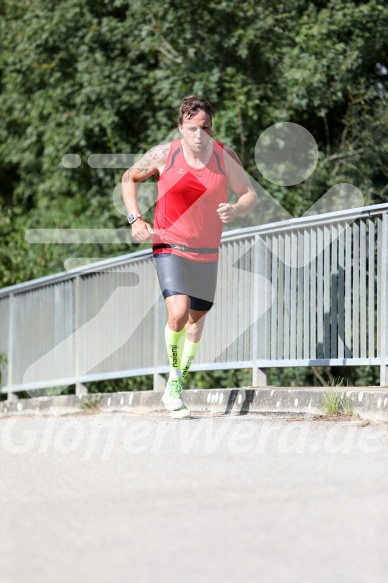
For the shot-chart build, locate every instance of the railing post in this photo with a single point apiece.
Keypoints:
(259, 376)
(11, 334)
(159, 381)
(382, 314)
(80, 389)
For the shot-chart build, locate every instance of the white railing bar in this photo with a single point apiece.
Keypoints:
(318, 362)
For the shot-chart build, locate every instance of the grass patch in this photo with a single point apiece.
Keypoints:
(335, 403)
(92, 405)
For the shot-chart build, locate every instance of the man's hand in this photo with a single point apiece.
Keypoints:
(227, 212)
(142, 231)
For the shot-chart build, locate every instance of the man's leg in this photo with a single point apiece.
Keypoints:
(178, 312)
(194, 329)
(203, 279)
(194, 287)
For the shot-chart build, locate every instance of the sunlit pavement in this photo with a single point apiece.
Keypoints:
(119, 497)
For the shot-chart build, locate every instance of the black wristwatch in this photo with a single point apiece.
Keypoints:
(133, 217)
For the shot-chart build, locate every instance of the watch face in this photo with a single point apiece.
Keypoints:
(132, 218)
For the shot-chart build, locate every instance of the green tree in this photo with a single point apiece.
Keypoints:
(107, 76)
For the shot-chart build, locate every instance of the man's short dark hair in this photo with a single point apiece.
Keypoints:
(191, 105)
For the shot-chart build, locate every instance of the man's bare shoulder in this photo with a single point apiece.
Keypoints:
(156, 156)
(230, 155)
(159, 152)
(152, 162)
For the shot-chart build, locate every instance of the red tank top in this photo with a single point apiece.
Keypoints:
(186, 207)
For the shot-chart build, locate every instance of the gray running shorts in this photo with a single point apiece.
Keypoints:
(180, 276)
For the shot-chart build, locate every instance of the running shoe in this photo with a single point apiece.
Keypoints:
(183, 413)
(172, 398)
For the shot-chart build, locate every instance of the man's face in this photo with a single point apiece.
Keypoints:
(196, 131)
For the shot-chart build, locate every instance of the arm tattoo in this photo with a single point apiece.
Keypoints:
(142, 166)
(126, 176)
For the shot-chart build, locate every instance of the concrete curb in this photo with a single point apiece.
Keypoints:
(368, 402)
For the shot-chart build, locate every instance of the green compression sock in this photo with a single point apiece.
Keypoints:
(174, 350)
(190, 349)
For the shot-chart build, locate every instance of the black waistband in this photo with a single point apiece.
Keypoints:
(184, 248)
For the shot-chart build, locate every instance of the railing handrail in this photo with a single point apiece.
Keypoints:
(296, 223)
(235, 234)
(71, 273)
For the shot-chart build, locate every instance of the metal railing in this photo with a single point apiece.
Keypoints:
(303, 292)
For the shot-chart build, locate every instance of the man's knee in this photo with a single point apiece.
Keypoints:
(178, 312)
(194, 326)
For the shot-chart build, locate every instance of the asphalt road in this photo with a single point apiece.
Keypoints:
(120, 498)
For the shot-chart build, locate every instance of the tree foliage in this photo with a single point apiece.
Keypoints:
(107, 77)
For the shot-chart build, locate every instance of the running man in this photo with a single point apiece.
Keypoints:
(192, 205)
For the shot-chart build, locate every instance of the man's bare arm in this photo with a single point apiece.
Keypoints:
(239, 182)
(150, 164)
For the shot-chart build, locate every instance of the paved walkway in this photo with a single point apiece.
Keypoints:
(120, 498)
